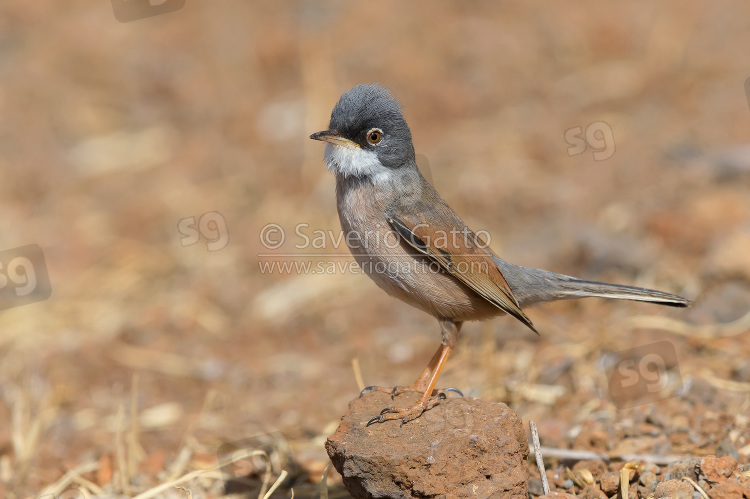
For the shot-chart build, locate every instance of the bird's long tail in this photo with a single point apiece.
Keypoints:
(531, 286)
(577, 288)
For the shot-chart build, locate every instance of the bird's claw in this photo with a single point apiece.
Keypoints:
(451, 389)
(406, 415)
(398, 390)
(376, 419)
(383, 416)
(372, 389)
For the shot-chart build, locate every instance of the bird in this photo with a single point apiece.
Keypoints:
(408, 240)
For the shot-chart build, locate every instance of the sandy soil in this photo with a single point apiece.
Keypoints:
(163, 343)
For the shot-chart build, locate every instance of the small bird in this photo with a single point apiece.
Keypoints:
(412, 244)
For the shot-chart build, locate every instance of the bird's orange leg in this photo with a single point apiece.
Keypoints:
(426, 382)
(420, 385)
(426, 402)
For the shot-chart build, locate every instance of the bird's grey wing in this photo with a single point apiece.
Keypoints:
(447, 241)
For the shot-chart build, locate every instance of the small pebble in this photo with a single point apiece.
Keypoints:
(674, 489)
(649, 480)
(535, 487)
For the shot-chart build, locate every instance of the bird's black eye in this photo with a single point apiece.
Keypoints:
(374, 136)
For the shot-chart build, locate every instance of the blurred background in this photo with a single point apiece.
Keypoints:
(607, 142)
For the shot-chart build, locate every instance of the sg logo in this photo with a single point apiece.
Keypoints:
(23, 276)
(648, 373)
(211, 225)
(132, 10)
(598, 136)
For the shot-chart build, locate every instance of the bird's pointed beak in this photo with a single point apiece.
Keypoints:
(333, 137)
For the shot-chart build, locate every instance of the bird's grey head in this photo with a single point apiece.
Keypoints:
(367, 135)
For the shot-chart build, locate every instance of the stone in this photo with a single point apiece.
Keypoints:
(610, 483)
(727, 490)
(535, 486)
(463, 447)
(717, 469)
(680, 469)
(597, 468)
(649, 480)
(674, 489)
(592, 492)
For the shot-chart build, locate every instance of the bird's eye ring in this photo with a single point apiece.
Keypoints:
(374, 136)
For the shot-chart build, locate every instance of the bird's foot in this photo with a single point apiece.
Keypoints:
(406, 415)
(398, 390)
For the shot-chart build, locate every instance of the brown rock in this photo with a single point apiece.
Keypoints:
(535, 486)
(597, 468)
(638, 445)
(610, 482)
(704, 484)
(555, 478)
(682, 469)
(592, 492)
(744, 482)
(674, 489)
(461, 448)
(727, 490)
(558, 495)
(649, 480)
(717, 469)
(592, 438)
(652, 468)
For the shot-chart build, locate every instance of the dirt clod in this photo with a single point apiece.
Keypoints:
(461, 448)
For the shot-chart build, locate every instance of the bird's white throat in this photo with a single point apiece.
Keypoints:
(353, 161)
